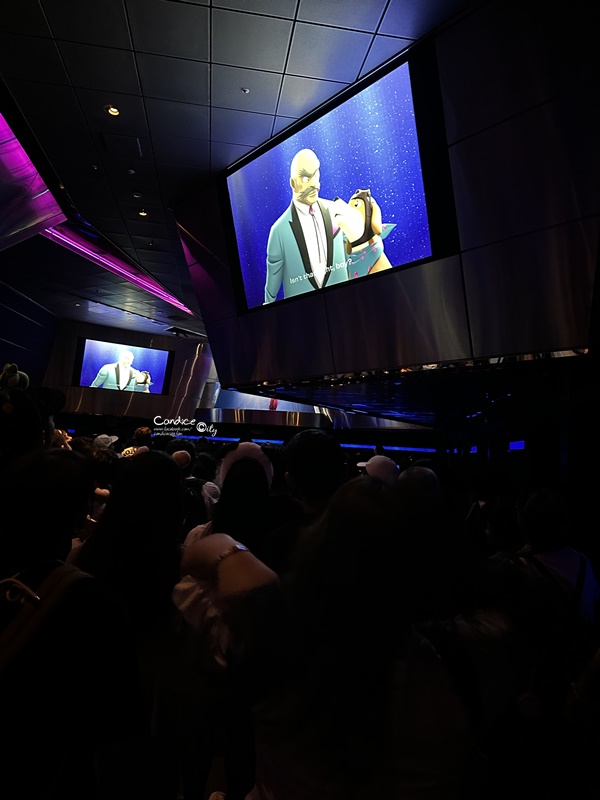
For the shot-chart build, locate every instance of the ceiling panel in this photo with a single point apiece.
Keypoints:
(102, 68)
(25, 17)
(275, 8)
(315, 52)
(240, 127)
(228, 82)
(382, 49)
(182, 150)
(248, 40)
(171, 29)
(178, 119)
(101, 22)
(300, 95)
(174, 78)
(353, 14)
(25, 58)
(408, 18)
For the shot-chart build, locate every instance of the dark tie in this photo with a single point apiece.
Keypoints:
(317, 232)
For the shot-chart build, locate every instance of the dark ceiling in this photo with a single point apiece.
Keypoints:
(198, 84)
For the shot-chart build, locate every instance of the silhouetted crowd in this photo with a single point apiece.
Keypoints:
(321, 628)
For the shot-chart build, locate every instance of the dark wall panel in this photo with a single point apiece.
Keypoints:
(228, 351)
(416, 316)
(293, 340)
(508, 57)
(533, 293)
(27, 332)
(538, 169)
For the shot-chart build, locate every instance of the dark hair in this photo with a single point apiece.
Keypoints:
(205, 466)
(544, 518)
(346, 628)
(316, 464)
(82, 444)
(359, 525)
(142, 436)
(242, 508)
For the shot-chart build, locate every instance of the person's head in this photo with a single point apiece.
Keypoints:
(147, 487)
(142, 436)
(104, 442)
(543, 518)
(361, 518)
(315, 467)
(237, 451)
(177, 444)
(184, 461)
(359, 540)
(125, 358)
(205, 466)
(82, 444)
(242, 508)
(305, 178)
(421, 484)
(105, 463)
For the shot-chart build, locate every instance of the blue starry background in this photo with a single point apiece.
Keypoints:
(368, 142)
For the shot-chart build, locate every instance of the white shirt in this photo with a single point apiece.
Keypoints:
(124, 376)
(316, 244)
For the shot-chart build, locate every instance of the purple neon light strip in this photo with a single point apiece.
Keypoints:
(35, 207)
(76, 244)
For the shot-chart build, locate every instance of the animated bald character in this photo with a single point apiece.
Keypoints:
(305, 250)
(121, 375)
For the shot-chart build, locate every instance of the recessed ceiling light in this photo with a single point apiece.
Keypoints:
(137, 195)
(142, 212)
(245, 90)
(112, 110)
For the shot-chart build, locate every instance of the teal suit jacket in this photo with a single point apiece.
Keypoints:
(288, 261)
(108, 378)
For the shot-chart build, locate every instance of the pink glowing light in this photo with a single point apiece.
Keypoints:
(77, 244)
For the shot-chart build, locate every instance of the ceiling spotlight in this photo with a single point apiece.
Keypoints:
(142, 212)
(137, 195)
(112, 110)
(245, 90)
(131, 172)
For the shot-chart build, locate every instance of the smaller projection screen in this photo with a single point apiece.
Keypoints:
(122, 367)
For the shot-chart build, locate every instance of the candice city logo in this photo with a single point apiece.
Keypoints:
(182, 425)
(208, 430)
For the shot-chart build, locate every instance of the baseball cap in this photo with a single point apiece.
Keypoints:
(104, 440)
(380, 467)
